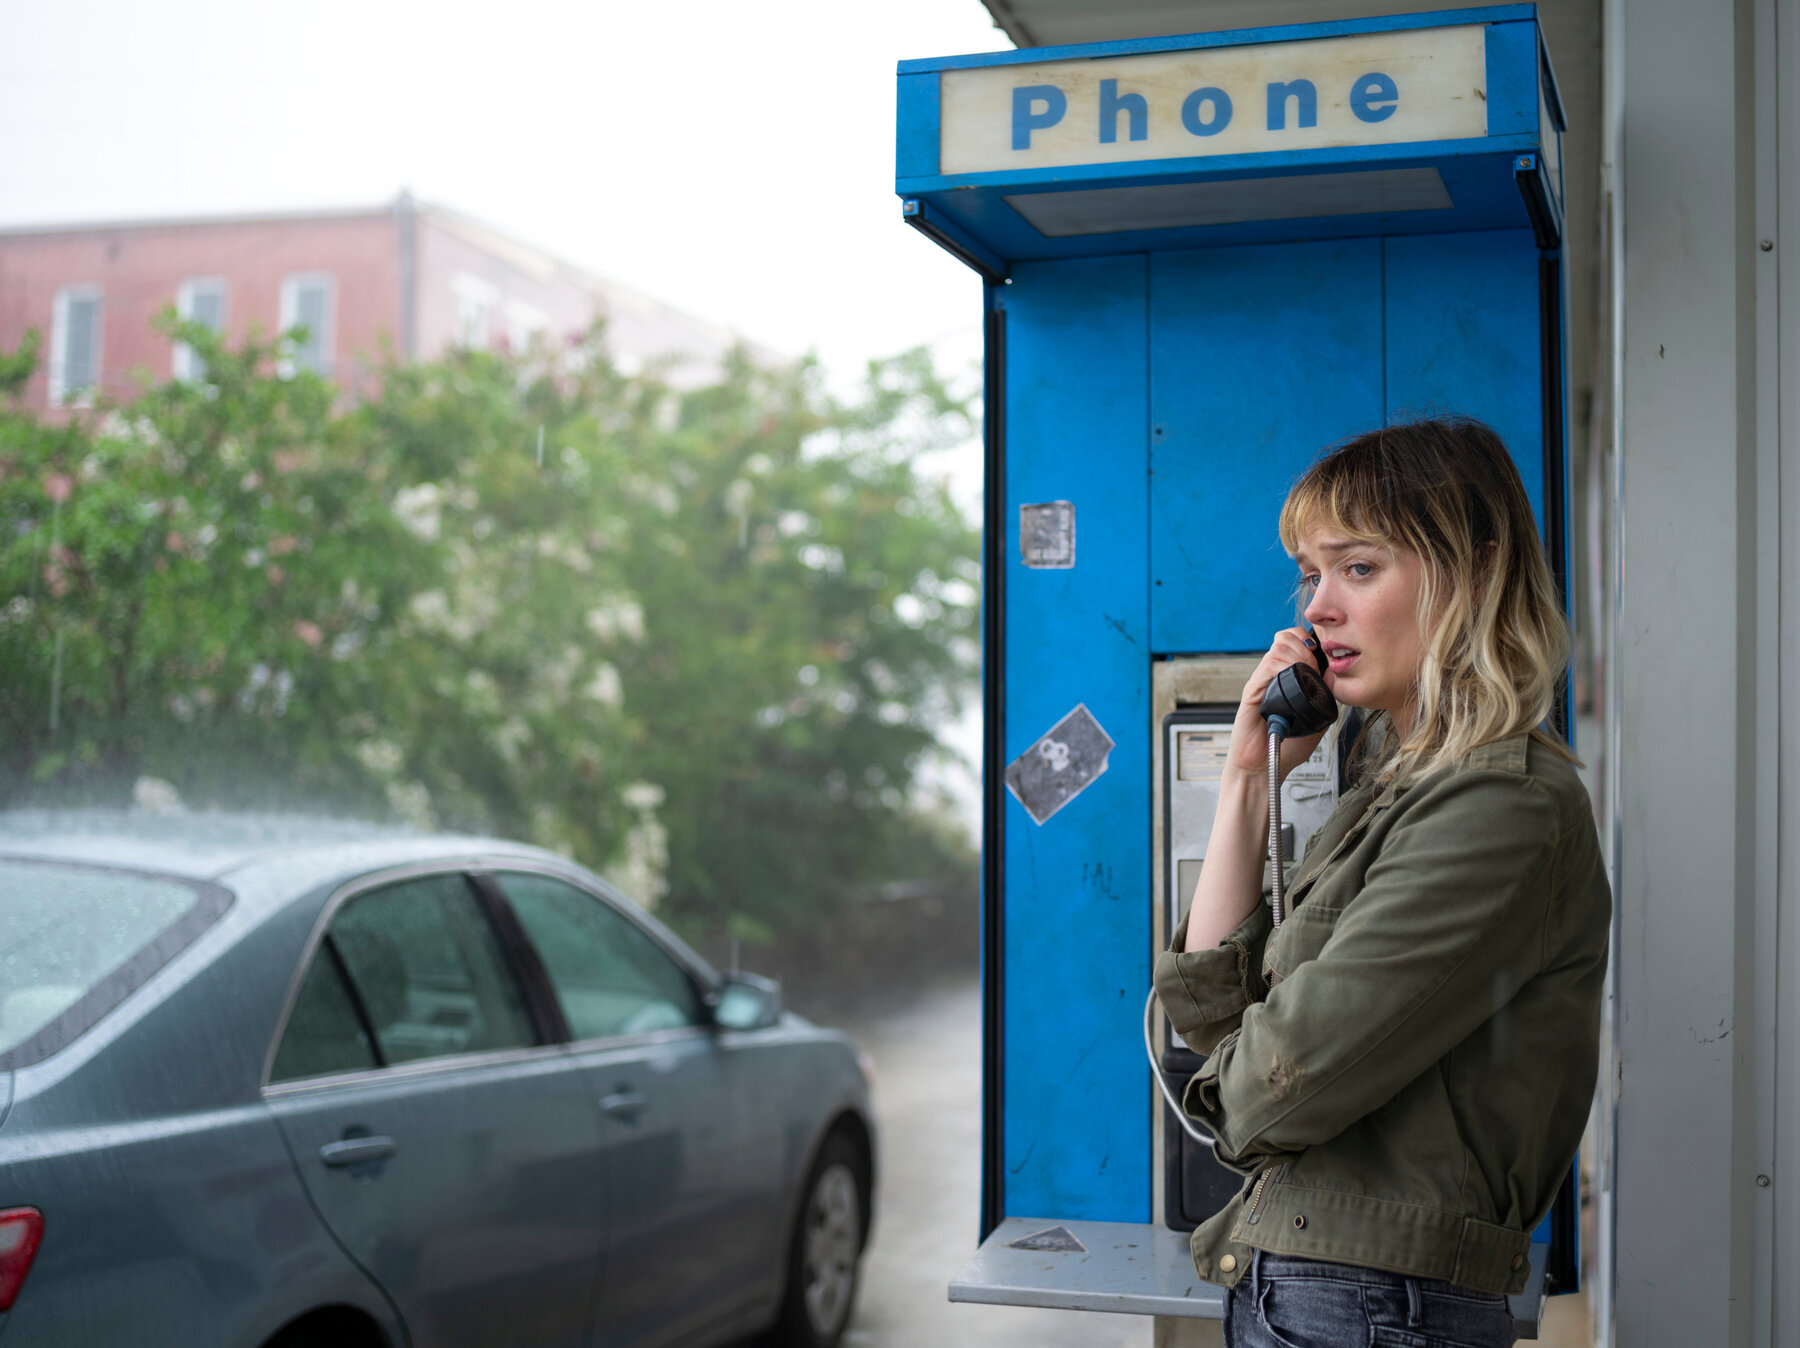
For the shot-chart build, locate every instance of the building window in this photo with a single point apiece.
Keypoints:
(75, 345)
(308, 302)
(476, 300)
(523, 323)
(199, 299)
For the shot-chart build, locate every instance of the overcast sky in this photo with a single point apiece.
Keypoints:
(733, 159)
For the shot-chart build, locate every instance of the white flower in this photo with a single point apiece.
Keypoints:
(417, 509)
(382, 757)
(642, 795)
(412, 802)
(432, 609)
(153, 795)
(616, 616)
(605, 687)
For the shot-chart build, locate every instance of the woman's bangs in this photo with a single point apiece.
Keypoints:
(1341, 503)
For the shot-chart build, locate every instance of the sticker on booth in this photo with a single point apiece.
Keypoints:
(1061, 765)
(1053, 1239)
(1047, 535)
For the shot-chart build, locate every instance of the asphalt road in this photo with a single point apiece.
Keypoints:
(928, 1101)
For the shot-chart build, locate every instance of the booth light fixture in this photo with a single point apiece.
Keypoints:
(1302, 196)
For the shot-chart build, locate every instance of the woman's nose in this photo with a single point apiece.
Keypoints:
(1318, 607)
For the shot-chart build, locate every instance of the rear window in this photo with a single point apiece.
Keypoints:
(74, 940)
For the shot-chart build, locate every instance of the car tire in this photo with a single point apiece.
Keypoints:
(825, 1253)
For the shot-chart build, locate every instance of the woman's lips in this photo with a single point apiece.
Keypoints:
(1341, 658)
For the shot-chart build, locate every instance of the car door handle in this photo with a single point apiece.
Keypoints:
(624, 1104)
(354, 1149)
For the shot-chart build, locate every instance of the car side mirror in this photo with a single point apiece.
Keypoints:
(747, 1002)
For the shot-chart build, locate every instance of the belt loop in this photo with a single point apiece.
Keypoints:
(1414, 1310)
(1256, 1277)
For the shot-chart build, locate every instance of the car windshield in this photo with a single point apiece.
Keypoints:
(63, 929)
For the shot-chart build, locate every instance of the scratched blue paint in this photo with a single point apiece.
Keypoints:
(1476, 171)
(917, 130)
(1462, 336)
(1237, 37)
(1260, 357)
(1512, 79)
(1077, 941)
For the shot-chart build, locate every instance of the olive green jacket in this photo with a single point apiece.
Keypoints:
(1405, 1067)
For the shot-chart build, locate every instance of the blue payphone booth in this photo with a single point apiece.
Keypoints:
(1206, 258)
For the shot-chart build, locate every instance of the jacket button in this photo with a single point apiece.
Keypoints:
(1227, 1262)
(1299, 1221)
(1518, 1260)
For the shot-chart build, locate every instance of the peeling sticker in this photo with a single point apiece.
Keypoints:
(1047, 535)
(1058, 1239)
(1061, 765)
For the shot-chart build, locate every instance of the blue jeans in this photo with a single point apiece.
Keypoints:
(1307, 1303)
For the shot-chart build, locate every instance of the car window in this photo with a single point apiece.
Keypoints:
(324, 1032)
(65, 930)
(426, 971)
(610, 977)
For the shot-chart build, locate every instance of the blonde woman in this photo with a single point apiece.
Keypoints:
(1402, 1070)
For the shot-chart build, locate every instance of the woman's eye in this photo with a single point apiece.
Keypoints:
(1359, 570)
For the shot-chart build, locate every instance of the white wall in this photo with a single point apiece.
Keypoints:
(1701, 745)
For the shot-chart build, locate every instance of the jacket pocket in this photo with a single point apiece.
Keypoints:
(1299, 939)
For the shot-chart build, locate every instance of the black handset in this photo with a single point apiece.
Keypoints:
(1296, 704)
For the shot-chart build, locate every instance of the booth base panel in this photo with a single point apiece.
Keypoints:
(1129, 1268)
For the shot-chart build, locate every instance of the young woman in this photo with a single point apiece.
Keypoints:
(1403, 1068)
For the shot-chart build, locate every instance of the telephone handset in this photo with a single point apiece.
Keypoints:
(1296, 704)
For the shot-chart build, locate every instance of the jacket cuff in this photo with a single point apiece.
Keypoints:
(1200, 1102)
(1204, 992)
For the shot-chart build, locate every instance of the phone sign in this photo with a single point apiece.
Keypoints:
(1361, 89)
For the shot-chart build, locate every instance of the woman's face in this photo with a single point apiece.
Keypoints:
(1362, 601)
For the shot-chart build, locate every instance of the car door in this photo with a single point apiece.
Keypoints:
(455, 1156)
(695, 1149)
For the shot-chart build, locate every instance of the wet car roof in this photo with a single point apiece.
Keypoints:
(211, 846)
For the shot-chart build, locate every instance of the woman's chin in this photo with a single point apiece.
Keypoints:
(1344, 687)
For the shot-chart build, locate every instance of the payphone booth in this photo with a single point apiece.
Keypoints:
(1206, 259)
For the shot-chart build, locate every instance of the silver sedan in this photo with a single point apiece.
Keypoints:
(291, 1083)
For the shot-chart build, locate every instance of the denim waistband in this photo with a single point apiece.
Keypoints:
(1295, 1266)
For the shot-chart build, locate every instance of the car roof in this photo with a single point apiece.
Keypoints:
(208, 845)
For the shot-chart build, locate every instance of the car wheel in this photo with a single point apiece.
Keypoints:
(824, 1254)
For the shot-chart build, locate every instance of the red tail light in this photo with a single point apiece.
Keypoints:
(21, 1230)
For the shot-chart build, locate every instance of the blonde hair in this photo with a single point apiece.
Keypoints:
(1496, 641)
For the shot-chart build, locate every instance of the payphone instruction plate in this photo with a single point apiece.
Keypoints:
(1196, 748)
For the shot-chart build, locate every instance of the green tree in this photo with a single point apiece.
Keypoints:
(809, 607)
(704, 639)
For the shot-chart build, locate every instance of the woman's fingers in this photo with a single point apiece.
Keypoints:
(1249, 748)
(1288, 647)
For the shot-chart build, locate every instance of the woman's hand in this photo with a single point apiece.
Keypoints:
(1249, 754)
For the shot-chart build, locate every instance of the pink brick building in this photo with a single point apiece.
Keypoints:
(411, 277)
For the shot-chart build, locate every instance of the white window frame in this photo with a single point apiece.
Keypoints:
(184, 364)
(59, 342)
(477, 302)
(290, 315)
(523, 323)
